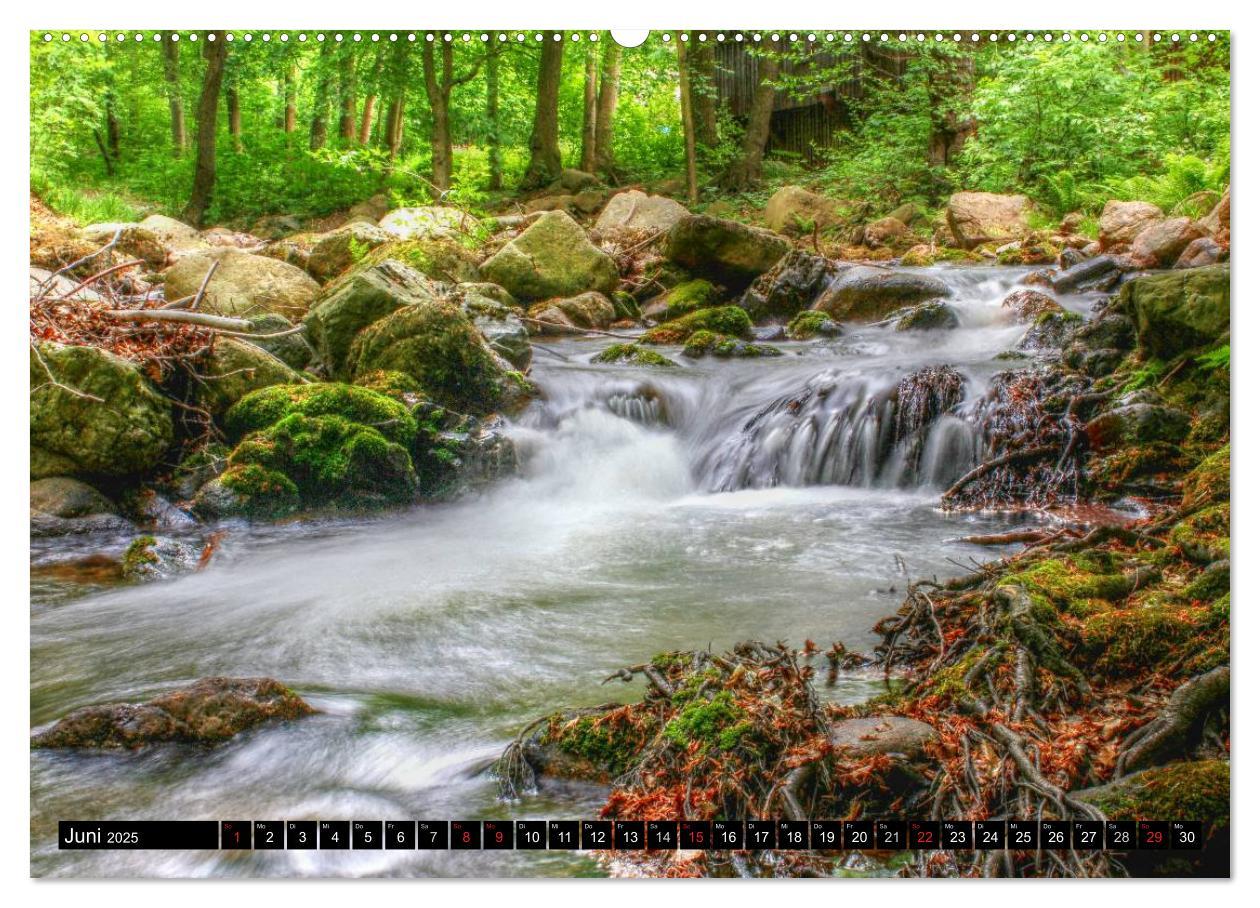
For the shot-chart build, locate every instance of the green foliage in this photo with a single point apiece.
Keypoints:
(729, 320)
(1216, 359)
(718, 722)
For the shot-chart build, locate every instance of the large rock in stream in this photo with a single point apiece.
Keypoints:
(206, 712)
(61, 505)
(869, 293)
(551, 257)
(791, 285)
(93, 414)
(1178, 311)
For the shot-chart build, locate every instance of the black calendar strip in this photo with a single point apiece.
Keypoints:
(630, 835)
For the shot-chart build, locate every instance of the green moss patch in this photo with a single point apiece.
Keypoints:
(632, 354)
(729, 320)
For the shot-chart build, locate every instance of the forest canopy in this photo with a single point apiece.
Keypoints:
(307, 127)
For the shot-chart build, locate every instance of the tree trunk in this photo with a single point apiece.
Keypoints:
(590, 106)
(606, 109)
(688, 123)
(369, 102)
(494, 153)
(170, 70)
(234, 117)
(290, 98)
(215, 53)
(319, 118)
(746, 169)
(349, 85)
(704, 91)
(394, 134)
(112, 130)
(544, 141)
(439, 92)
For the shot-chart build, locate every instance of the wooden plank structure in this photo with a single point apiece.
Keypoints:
(823, 82)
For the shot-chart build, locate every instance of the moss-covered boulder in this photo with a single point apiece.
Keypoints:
(632, 355)
(1049, 331)
(812, 323)
(710, 343)
(275, 334)
(682, 299)
(364, 298)
(552, 257)
(1178, 311)
(314, 445)
(437, 344)
(590, 745)
(243, 284)
(93, 414)
(206, 712)
(867, 292)
(1136, 424)
(729, 320)
(727, 251)
(339, 249)
(440, 258)
(234, 368)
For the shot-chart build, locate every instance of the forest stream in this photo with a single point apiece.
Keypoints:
(656, 509)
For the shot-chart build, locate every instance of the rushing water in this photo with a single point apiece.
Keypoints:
(656, 511)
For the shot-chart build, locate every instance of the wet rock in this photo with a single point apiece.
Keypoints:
(208, 711)
(1178, 310)
(155, 558)
(234, 368)
(362, 299)
(728, 320)
(795, 211)
(551, 257)
(243, 284)
(1028, 305)
(892, 735)
(637, 211)
(1049, 331)
(725, 250)
(1160, 244)
(1070, 257)
(1200, 252)
(102, 417)
(1121, 222)
(884, 232)
(865, 292)
(426, 222)
(1099, 271)
(573, 315)
(456, 453)
(61, 506)
(336, 251)
(1136, 424)
(1109, 331)
(975, 218)
(933, 316)
(790, 286)
(769, 333)
(154, 512)
(633, 354)
(501, 327)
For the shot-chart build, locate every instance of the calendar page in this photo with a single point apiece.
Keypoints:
(709, 452)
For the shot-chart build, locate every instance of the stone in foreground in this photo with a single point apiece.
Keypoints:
(206, 712)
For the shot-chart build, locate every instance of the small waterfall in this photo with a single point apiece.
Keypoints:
(841, 430)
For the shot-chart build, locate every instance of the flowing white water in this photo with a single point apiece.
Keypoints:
(646, 519)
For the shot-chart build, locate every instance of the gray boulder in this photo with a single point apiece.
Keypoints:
(725, 250)
(870, 293)
(551, 257)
